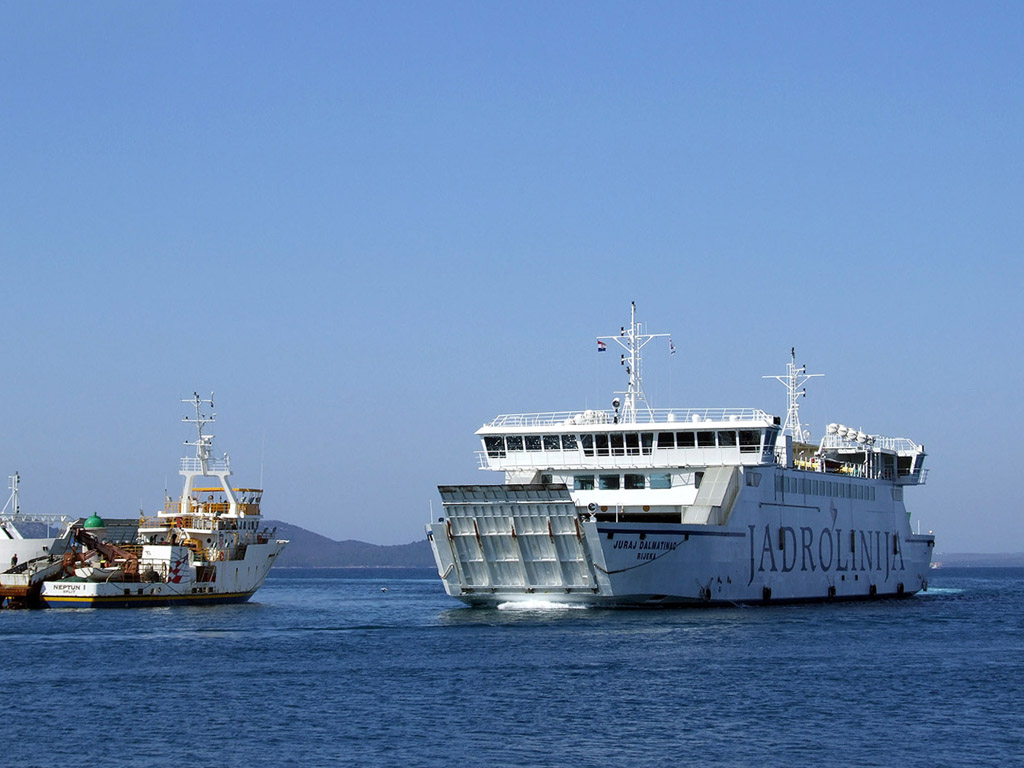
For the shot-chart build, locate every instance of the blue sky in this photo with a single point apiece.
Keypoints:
(370, 227)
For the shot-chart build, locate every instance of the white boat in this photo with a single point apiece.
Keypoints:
(637, 506)
(210, 546)
(20, 539)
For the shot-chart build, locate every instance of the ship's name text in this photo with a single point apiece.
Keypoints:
(784, 549)
(647, 550)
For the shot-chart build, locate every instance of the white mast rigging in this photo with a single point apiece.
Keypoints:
(13, 501)
(203, 465)
(633, 339)
(794, 379)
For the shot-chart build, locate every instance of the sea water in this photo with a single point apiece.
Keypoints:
(381, 668)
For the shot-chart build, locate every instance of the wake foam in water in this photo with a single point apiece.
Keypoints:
(538, 605)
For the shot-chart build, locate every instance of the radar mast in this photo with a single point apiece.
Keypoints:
(633, 339)
(204, 465)
(795, 378)
(13, 501)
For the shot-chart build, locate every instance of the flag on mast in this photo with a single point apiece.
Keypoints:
(671, 347)
(601, 346)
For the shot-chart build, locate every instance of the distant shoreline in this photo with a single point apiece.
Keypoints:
(977, 560)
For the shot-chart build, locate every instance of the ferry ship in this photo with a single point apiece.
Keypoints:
(208, 547)
(19, 532)
(643, 507)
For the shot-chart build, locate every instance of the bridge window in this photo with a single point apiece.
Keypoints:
(495, 445)
(666, 440)
(705, 439)
(686, 439)
(551, 443)
(583, 483)
(750, 440)
(618, 444)
(633, 482)
(609, 482)
(602, 444)
(588, 444)
(632, 444)
(514, 442)
(646, 441)
(533, 442)
(726, 438)
(568, 442)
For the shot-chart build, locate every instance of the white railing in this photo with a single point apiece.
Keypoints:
(895, 444)
(659, 416)
(46, 518)
(192, 464)
(898, 444)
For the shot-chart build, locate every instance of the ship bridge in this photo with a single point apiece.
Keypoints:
(654, 439)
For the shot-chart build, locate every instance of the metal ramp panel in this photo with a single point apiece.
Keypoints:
(520, 538)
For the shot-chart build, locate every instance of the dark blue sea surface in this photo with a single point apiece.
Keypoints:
(324, 667)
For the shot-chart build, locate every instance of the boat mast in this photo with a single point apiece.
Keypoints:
(633, 339)
(203, 465)
(13, 502)
(794, 379)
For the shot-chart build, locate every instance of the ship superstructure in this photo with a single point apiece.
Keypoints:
(681, 506)
(209, 546)
(24, 537)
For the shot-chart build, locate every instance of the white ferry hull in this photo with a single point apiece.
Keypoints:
(767, 552)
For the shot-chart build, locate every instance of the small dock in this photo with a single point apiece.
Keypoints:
(20, 585)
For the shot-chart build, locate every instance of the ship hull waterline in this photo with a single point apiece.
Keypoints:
(148, 601)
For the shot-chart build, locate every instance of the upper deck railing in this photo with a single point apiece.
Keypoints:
(878, 442)
(192, 464)
(658, 416)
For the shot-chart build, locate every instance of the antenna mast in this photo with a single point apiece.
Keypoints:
(13, 502)
(203, 442)
(204, 465)
(794, 379)
(633, 339)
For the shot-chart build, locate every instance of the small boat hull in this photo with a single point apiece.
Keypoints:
(82, 594)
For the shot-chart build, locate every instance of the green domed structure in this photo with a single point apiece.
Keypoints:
(94, 521)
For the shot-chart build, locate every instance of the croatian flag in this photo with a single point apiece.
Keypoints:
(601, 346)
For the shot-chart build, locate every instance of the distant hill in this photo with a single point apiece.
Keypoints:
(311, 550)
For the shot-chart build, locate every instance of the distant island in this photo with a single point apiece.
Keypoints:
(978, 560)
(311, 550)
